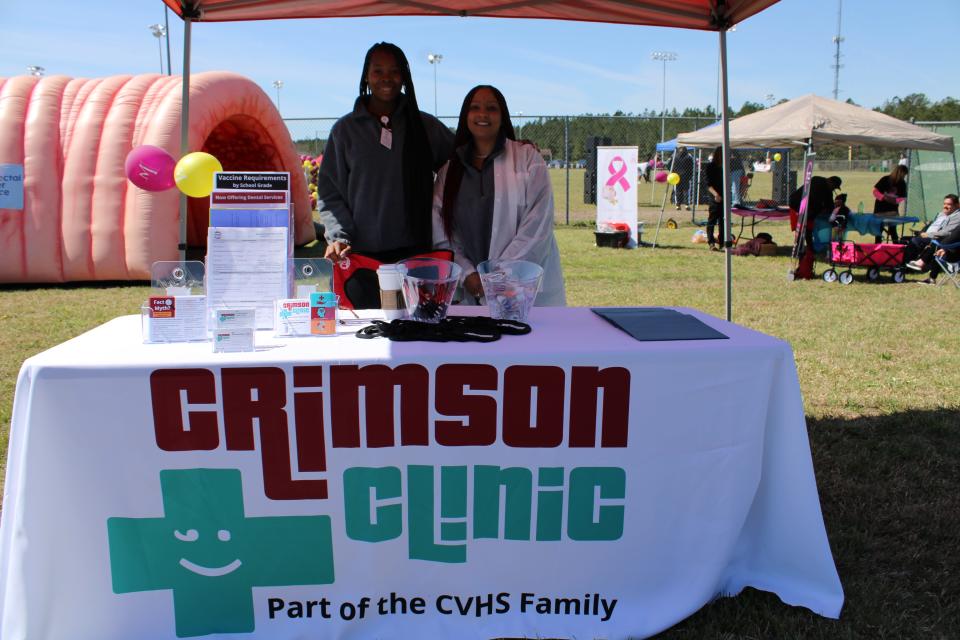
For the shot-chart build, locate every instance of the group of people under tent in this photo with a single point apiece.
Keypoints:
(395, 183)
(921, 250)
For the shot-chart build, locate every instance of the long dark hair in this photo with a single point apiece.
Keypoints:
(417, 155)
(898, 174)
(451, 187)
(717, 157)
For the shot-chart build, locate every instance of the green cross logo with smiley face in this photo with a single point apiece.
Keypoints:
(211, 555)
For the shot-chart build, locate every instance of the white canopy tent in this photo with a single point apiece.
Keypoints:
(811, 119)
(706, 15)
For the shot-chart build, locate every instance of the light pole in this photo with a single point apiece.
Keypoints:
(520, 125)
(665, 57)
(159, 31)
(434, 59)
(35, 71)
(278, 84)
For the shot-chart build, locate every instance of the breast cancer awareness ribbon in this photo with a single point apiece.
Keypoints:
(617, 175)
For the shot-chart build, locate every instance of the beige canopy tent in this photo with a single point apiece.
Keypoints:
(814, 120)
(706, 15)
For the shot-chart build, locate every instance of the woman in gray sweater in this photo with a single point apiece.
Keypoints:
(376, 178)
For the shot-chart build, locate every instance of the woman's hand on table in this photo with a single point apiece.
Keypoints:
(472, 285)
(336, 250)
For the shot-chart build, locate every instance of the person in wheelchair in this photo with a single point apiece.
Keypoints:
(919, 250)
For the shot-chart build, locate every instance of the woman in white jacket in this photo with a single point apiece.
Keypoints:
(493, 199)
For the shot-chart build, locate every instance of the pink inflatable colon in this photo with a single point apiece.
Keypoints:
(81, 218)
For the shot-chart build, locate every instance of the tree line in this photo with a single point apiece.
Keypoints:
(645, 129)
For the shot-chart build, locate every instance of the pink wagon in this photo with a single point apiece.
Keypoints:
(872, 257)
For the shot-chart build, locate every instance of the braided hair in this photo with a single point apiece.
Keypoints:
(417, 155)
(451, 187)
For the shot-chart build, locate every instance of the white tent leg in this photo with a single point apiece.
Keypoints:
(725, 125)
(184, 130)
(956, 177)
(697, 172)
(663, 205)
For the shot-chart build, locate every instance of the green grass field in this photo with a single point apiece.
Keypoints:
(880, 385)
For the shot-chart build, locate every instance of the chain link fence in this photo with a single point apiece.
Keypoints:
(567, 142)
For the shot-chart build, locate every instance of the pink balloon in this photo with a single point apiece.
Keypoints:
(150, 168)
(661, 176)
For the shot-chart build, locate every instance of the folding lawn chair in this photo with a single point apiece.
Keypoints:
(951, 269)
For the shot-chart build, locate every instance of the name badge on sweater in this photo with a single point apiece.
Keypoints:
(386, 134)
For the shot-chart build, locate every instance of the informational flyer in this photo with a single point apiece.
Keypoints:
(11, 186)
(175, 319)
(292, 317)
(250, 200)
(617, 188)
(247, 268)
(323, 313)
(233, 340)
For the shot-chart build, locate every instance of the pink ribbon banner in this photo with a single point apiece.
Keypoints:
(617, 175)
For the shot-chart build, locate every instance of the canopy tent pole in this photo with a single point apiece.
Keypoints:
(663, 205)
(697, 172)
(184, 129)
(956, 177)
(724, 123)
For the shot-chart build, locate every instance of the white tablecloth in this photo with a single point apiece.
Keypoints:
(117, 525)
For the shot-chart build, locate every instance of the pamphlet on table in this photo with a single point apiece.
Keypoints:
(249, 244)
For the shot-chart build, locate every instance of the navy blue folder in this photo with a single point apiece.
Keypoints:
(657, 324)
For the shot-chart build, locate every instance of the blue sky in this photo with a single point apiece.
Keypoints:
(543, 67)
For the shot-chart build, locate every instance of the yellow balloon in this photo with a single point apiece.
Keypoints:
(194, 174)
(674, 178)
(777, 157)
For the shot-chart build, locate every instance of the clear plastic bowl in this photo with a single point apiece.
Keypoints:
(428, 287)
(510, 287)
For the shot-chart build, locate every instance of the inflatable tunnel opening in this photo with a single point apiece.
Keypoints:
(81, 218)
(240, 143)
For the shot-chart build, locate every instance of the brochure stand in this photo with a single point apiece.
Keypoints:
(296, 316)
(249, 243)
(176, 309)
(311, 275)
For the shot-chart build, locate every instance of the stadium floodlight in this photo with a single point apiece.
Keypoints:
(665, 57)
(435, 59)
(159, 31)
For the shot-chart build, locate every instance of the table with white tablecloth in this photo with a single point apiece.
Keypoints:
(572, 482)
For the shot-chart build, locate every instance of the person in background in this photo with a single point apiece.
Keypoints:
(643, 169)
(715, 211)
(736, 179)
(493, 199)
(820, 201)
(683, 167)
(949, 255)
(376, 180)
(889, 192)
(919, 250)
(839, 217)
